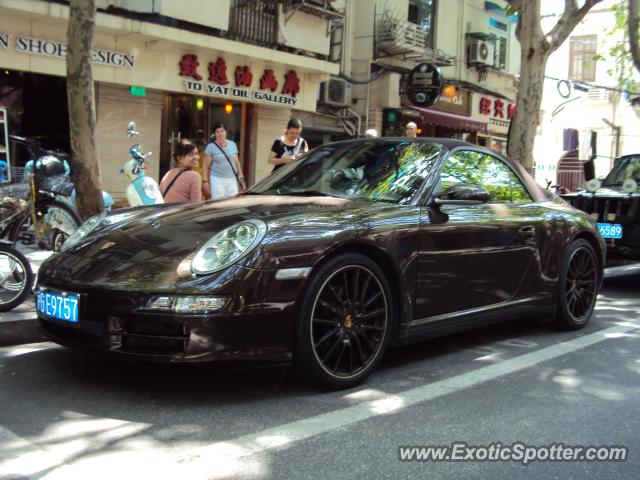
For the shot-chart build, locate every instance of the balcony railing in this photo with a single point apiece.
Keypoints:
(255, 22)
(402, 38)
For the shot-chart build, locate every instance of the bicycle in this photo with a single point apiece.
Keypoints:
(16, 277)
(46, 216)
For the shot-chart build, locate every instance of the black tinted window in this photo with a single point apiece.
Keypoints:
(376, 170)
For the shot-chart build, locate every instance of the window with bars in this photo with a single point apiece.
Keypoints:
(582, 66)
(423, 13)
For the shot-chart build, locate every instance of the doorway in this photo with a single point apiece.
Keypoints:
(192, 117)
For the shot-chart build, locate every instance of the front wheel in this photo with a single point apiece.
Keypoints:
(345, 322)
(16, 278)
(578, 289)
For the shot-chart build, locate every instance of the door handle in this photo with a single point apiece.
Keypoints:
(527, 232)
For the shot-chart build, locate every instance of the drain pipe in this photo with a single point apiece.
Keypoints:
(616, 129)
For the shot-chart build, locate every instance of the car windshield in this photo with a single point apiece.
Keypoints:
(377, 170)
(625, 168)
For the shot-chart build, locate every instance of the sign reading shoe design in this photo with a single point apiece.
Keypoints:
(424, 85)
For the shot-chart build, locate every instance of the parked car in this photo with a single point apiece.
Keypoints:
(615, 205)
(357, 246)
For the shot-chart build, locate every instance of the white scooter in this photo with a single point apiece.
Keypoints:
(143, 190)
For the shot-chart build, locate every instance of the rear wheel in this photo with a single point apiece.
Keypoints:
(345, 322)
(16, 278)
(53, 225)
(579, 280)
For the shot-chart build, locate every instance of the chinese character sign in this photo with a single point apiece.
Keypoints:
(498, 108)
(244, 77)
(218, 72)
(268, 81)
(189, 67)
(485, 106)
(291, 84)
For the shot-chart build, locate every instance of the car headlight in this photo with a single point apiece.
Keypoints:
(228, 246)
(85, 229)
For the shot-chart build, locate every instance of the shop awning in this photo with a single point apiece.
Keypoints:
(451, 120)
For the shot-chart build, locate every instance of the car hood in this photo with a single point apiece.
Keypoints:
(147, 249)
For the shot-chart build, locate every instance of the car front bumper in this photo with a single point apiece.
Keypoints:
(256, 326)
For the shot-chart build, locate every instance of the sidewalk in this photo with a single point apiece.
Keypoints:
(18, 326)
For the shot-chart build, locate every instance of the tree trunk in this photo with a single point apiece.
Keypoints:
(534, 51)
(525, 122)
(82, 112)
(535, 48)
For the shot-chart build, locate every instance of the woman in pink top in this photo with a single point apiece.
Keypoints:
(182, 184)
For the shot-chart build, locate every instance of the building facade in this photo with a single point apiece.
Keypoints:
(585, 114)
(473, 43)
(175, 68)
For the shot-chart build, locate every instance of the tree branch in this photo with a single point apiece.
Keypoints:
(571, 16)
(633, 32)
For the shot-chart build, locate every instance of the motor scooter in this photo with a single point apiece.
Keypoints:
(143, 190)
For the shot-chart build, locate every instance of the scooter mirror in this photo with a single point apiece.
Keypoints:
(131, 130)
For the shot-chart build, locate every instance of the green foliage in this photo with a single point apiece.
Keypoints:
(620, 52)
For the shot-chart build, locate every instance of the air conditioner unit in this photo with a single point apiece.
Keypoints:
(481, 52)
(335, 92)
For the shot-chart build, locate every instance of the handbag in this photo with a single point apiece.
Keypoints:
(173, 181)
(240, 182)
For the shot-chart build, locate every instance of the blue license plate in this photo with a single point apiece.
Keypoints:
(61, 306)
(610, 230)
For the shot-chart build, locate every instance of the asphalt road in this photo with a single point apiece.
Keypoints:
(65, 415)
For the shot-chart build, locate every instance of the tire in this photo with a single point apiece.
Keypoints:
(578, 289)
(61, 221)
(16, 278)
(345, 322)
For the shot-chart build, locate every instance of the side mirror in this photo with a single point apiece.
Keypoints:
(131, 130)
(463, 195)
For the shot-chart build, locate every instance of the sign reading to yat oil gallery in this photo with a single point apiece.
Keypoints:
(53, 48)
(272, 89)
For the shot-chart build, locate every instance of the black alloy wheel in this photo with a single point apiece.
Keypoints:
(345, 322)
(579, 282)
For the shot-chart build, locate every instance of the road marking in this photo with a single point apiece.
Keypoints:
(64, 457)
(285, 435)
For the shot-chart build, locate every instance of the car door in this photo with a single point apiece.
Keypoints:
(474, 256)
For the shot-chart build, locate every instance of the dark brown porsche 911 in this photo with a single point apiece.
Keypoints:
(354, 247)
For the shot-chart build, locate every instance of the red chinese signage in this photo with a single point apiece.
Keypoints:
(218, 72)
(243, 76)
(496, 108)
(189, 67)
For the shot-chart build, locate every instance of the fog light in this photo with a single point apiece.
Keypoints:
(611, 217)
(191, 304)
(594, 215)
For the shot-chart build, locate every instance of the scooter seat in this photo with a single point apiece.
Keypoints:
(63, 188)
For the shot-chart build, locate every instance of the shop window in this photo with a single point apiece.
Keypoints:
(486, 171)
(423, 13)
(582, 66)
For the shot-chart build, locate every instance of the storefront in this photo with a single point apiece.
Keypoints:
(172, 88)
(449, 117)
(497, 113)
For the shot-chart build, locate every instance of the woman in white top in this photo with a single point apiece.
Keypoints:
(221, 172)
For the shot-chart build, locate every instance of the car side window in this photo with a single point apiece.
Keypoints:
(483, 170)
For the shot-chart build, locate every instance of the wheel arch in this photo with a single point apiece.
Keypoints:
(597, 247)
(387, 265)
